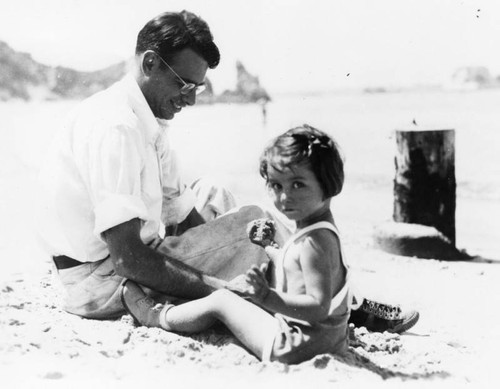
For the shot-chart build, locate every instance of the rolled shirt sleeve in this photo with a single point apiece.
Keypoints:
(102, 169)
(115, 209)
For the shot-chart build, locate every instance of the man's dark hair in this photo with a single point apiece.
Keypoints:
(171, 32)
(306, 145)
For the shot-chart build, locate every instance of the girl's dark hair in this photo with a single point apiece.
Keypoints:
(306, 144)
(170, 32)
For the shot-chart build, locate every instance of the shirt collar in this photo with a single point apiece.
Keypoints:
(141, 108)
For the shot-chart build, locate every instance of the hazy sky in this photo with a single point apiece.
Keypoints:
(292, 45)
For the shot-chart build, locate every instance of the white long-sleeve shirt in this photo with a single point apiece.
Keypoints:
(110, 163)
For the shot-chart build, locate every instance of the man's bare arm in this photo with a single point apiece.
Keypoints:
(134, 260)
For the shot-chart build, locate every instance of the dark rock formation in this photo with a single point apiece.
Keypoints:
(472, 78)
(478, 74)
(248, 89)
(21, 77)
(69, 83)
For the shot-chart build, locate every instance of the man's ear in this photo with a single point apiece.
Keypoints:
(148, 63)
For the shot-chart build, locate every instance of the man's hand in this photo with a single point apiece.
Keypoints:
(134, 260)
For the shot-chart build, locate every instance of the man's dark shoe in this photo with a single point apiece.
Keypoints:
(379, 317)
(139, 305)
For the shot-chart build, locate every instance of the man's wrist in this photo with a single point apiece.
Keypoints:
(214, 283)
(266, 295)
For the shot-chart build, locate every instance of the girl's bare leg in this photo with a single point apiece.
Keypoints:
(253, 326)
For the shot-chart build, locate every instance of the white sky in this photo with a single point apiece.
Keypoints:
(292, 45)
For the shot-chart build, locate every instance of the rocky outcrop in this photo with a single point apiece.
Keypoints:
(21, 77)
(19, 73)
(248, 89)
(473, 77)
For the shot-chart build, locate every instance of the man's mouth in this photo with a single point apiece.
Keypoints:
(176, 106)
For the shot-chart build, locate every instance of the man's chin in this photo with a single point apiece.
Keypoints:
(162, 122)
(165, 116)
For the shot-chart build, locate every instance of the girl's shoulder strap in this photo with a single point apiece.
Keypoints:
(316, 226)
(299, 234)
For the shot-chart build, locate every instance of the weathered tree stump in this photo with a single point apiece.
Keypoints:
(424, 198)
(424, 185)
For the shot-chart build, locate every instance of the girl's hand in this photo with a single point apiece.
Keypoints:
(272, 253)
(256, 277)
(240, 286)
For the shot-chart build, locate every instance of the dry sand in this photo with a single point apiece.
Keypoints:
(454, 344)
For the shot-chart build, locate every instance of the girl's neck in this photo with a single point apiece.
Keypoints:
(323, 215)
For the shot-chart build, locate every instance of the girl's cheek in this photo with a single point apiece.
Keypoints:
(276, 199)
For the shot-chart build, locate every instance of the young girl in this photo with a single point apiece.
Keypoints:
(304, 311)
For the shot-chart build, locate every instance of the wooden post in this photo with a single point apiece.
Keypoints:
(425, 186)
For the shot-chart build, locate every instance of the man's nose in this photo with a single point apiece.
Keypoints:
(190, 98)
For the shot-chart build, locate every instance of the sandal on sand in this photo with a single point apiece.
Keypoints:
(139, 305)
(379, 317)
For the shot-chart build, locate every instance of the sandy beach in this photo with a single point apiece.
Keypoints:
(455, 343)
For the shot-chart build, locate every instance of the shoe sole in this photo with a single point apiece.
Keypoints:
(122, 298)
(405, 326)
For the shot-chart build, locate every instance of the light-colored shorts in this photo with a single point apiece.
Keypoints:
(297, 341)
(92, 290)
(219, 248)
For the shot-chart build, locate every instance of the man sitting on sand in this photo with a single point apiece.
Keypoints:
(110, 183)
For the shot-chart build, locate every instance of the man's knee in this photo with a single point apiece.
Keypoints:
(212, 199)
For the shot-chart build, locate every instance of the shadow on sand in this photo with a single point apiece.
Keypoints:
(354, 358)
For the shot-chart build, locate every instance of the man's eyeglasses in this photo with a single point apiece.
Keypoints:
(187, 87)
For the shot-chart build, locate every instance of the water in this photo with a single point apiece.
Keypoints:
(224, 141)
(363, 124)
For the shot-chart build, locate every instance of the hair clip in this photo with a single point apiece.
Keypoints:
(322, 142)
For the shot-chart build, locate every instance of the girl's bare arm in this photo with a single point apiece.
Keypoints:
(320, 262)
